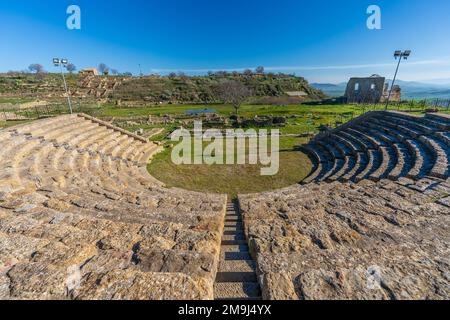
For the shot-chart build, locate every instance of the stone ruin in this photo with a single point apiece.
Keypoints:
(264, 121)
(89, 72)
(370, 90)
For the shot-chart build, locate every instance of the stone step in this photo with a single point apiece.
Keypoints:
(233, 242)
(444, 137)
(442, 118)
(234, 247)
(402, 158)
(387, 163)
(235, 276)
(234, 224)
(338, 164)
(237, 266)
(419, 159)
(233, 219)
(101, 141)
(438, 149)
(354, 142)
(341, 172)
(148, 154)
(237, 291)
(231, 255)
(410, 123)
(233, 231)
(233, 237)
(369, 167)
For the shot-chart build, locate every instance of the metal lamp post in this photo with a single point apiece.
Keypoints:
(397, 55)
(60, 63)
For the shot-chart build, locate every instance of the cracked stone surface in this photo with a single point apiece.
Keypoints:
(322, 241)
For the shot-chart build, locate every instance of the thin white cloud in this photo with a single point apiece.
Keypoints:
(308, 68)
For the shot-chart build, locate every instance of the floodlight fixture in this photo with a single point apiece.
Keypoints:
(64, 61)
(397, 54)
(56, 62)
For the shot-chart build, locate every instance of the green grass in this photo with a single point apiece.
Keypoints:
(7, 124)
(227, 110)
(236, 179)
(15, 100)
(233, 179)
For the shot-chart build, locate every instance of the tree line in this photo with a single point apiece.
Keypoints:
(38, 68)
(104, 69)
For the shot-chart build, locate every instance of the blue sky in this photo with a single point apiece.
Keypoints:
(325, 41)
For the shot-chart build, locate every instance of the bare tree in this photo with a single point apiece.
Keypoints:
(71, 68)
(182, 75)
(36, 67)
(221, 73)
(259, 70)
(233, 92)
(103, 68)
(248, 72)
(114, 72)
(128, 74)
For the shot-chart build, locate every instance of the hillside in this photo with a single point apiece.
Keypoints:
(333, 90)
(150, 89)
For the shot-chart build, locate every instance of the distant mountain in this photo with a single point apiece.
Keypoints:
(423, 90)
(442, 81)
(410, 89)
(332, 90)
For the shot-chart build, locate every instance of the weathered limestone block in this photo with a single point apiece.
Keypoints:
(193, 264)
(37, 281)
(135, 285)
(56, 204)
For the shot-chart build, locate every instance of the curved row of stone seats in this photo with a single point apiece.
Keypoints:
(421, 144)
(76, 203)
(382, 145)
(329, 240)
(79, 132)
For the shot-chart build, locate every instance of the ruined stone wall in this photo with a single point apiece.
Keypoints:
(396, 95)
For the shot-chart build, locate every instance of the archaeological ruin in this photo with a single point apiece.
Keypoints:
(373, 89)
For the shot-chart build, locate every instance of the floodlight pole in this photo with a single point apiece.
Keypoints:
(402, 55)
(67, 91)
(64, 62)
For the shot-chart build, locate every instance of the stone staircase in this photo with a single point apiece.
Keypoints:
(75, 193)
(236, 278)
